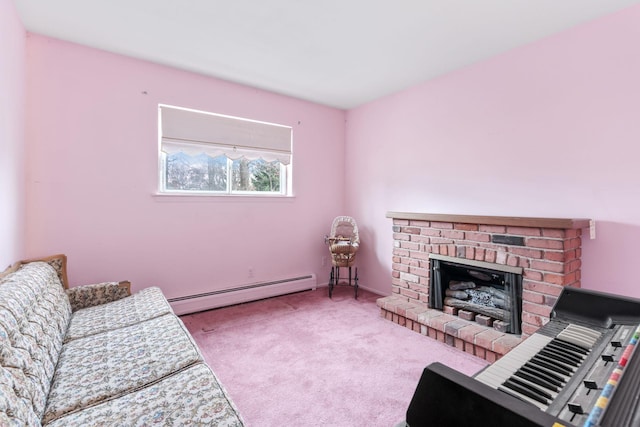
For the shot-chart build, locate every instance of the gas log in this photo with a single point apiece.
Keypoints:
(455, 285)
(456, 294)
(496, 313)
(485, 295)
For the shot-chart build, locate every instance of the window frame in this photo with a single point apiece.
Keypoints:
(286, 185)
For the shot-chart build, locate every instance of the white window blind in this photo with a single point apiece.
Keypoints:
(195, 132)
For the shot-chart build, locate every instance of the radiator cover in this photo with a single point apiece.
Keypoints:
(245, 293)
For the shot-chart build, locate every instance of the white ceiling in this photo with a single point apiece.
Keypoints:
(341, 53)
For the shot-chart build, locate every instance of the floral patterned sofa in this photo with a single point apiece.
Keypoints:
(96, 355)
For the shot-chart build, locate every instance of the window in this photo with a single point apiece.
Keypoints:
(206, 153)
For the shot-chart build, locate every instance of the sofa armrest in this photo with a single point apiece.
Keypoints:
(96, 294)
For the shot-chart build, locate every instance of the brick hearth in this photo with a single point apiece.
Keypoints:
(547, 249)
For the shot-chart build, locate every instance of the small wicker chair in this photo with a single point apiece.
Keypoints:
(343, 242)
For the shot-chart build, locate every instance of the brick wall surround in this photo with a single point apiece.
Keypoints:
(548, 250)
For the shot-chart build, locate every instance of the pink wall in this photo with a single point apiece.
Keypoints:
(92, 175)
(12, 123)
(551, 129)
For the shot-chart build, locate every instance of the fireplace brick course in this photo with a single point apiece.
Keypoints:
(548, 254)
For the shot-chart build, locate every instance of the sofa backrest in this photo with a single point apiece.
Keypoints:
(34, 316)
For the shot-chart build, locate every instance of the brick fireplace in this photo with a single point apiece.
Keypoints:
(548, 250)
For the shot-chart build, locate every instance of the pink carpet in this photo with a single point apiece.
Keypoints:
(307, 360)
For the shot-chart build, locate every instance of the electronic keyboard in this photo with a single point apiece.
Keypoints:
(580, 369)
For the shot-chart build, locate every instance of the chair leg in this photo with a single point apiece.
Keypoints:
(334, 279)
(356, 283)
(331, 281)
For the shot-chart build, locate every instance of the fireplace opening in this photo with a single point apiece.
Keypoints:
(490, 294)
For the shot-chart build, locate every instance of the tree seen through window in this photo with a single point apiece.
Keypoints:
(205, 173)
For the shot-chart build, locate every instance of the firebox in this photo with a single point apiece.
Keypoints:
(489, 293)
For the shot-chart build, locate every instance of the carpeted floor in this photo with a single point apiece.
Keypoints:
(307, 360)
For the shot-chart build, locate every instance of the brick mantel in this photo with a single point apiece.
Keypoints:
(547, 249)
(564, 223)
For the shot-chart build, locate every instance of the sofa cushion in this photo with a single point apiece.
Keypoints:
(35, 295)
(15, 409)
(34, 315)
(108, 365)
(191, 397)
(144, 305)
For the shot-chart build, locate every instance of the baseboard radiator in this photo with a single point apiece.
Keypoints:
(240, 294)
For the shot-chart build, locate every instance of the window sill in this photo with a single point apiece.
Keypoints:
(201, 197)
